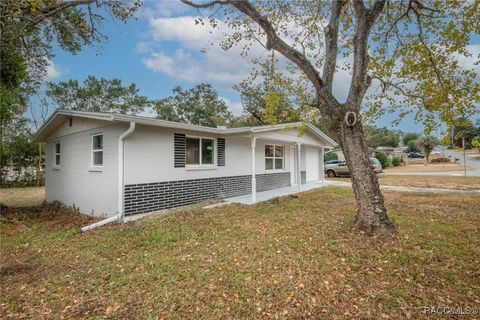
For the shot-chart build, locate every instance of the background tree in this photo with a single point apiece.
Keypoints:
(410, 136)
(476, 143)
(384, 137)
(30, 27)
(427, 144)
(199, 105)
(412, 146)
(400, 45)
(271, 100)
(19, 156)
(28, 30)
(263, 105)
(463, 132)
(330, 156)
(383, 158)
(100, 95)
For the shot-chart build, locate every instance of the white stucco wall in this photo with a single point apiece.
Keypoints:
(74, 183)
(149, 155)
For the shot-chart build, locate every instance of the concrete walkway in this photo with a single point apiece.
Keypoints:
(280, 192)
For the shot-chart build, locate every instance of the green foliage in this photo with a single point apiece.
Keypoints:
(14, 68)
(13, 73)
(396, 161)
(101, 95)
(29, 28)
(199, 105)
(384, 137)
(415, 48)
(446, 141)
(19, 156)
(268, 102)
(411, 136)
(476, 143)
(427, 144)
(416, 61)
(412, 146)
(463, 133)
(383, 158)
(330, 156)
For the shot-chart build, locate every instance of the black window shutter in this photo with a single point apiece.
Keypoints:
(221, 152)
(180, 150)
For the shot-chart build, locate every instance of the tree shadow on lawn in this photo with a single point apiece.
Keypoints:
(291, 257)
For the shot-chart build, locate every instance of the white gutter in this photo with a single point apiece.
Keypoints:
(121, 172)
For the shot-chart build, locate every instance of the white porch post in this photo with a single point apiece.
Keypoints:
(298, 168)
(254, 180)
(322, 164)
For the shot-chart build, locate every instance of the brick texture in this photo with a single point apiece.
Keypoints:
(147, 197)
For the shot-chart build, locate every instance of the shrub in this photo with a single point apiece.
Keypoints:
(330, 156)
(383, 158)
(396, 161)
(412, 146)
(440, 160)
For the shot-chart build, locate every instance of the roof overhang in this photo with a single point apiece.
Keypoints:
(60, 116)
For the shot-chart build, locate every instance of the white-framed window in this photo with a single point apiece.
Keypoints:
(200, 151)
(56, 158)
(97, 150)
(274, 157)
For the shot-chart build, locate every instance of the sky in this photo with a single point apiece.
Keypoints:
(163, 48)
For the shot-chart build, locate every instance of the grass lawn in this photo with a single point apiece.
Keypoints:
(289, 259)
(22, 197)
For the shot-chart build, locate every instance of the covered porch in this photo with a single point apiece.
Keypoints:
(283, 160)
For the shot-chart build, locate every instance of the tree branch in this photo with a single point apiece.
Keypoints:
(276, 43)
(365, 19)
(331, 43)
(204, 5)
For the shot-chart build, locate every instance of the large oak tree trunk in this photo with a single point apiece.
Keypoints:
(371, 212)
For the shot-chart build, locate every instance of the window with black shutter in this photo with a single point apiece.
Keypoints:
(221, 152)
(179, 152)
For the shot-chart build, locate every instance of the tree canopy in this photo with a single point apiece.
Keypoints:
(381, 137)
(31, 27)
(427, 144)
(409, 49)
(101, 95)
(199, 105)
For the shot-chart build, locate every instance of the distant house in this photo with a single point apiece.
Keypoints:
(108, 164)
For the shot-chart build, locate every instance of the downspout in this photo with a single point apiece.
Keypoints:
(121, 173)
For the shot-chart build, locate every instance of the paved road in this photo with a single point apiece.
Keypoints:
(473, 163)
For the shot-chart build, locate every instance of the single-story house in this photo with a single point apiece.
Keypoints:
(107, 164)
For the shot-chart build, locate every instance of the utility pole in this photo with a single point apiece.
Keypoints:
(464, 157)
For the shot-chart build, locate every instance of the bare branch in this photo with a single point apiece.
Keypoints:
(365, 19)
(204, 5)
(331, 43)
(276, 43)
(295, 56)
(429, 52)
